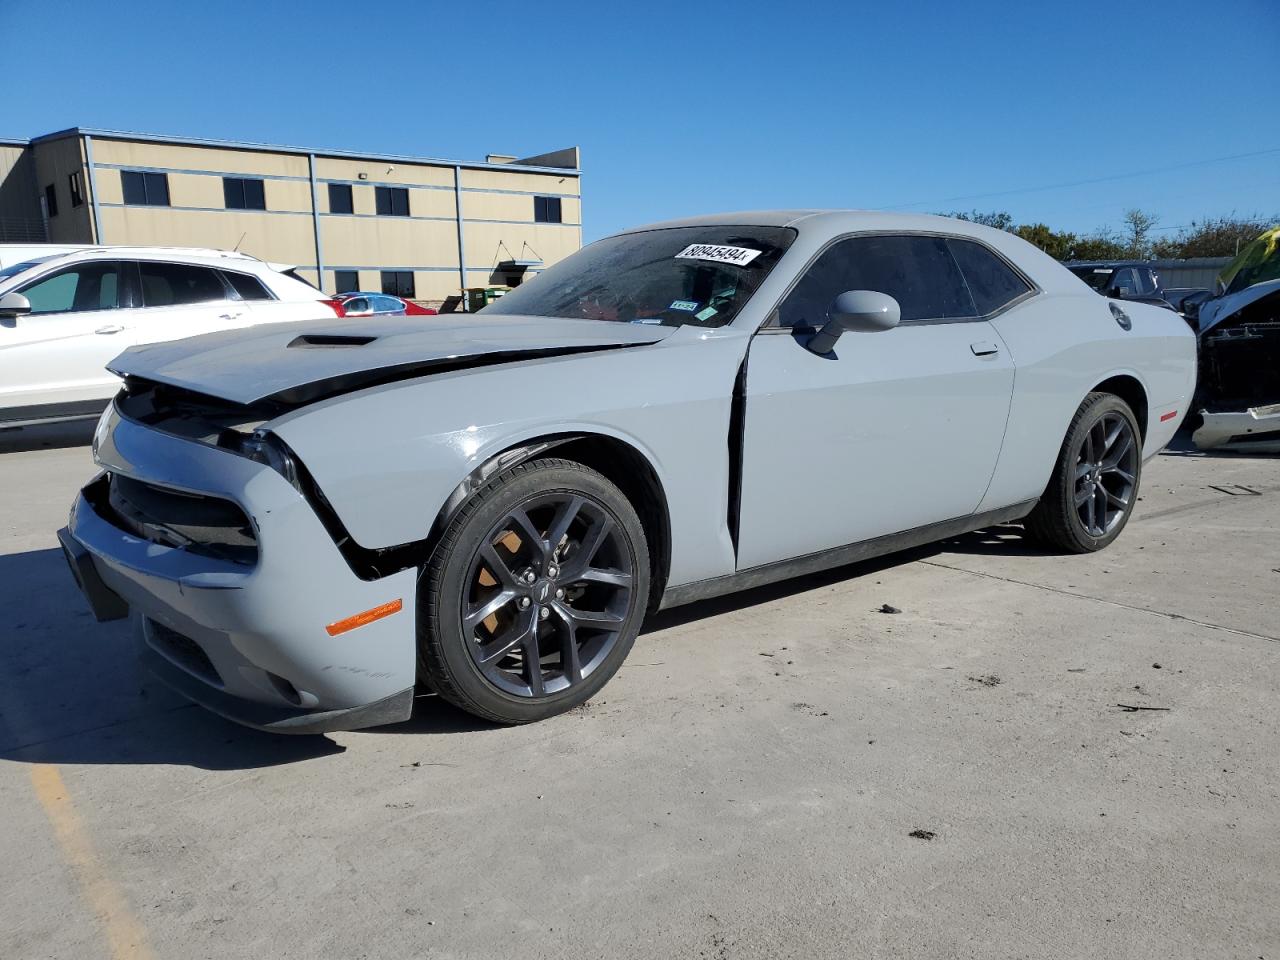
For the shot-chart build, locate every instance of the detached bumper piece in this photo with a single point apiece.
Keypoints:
(1256, 430)
(105, 603)
(393, 709)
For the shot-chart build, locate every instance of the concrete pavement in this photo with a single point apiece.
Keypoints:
(748, 786)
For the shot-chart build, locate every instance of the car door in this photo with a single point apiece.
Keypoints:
(891, 430)
(56, 356)
(184, 300)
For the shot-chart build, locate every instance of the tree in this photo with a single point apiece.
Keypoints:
(1139, 225)
(1214, 237)
(1101, 245)
(1056, 245)
(998, 219)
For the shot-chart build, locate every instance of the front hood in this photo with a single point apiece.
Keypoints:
(1213, 312)
(296, 363)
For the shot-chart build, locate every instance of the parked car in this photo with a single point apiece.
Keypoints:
(380, 305)
(1123, 280)
(310, 523)
(1238, 397)
(64, 316)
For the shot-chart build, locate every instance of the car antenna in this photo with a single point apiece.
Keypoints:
(236, 248)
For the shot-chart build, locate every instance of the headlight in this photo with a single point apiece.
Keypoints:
(101, 431)
(266, 448)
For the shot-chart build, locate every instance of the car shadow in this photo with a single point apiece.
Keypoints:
(71, 690)
(1005, 539)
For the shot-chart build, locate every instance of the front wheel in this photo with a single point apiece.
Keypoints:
(535, 593)
(1095, 480)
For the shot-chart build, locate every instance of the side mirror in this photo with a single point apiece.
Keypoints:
(14, 305)
(856, 311)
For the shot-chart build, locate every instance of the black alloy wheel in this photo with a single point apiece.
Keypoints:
(535, 593)
(1095, 481)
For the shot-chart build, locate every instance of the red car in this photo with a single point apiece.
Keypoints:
(379, 305)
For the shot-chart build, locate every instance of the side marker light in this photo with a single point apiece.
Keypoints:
(368, 616)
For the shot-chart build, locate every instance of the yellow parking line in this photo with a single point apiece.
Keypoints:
(125, 935)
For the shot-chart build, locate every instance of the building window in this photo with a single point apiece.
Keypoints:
(145, 189)
(244, 194)
(340, 198)
(546, 210)
(50, 201)
(398, 283)
(77, 190)
(346, 281)
(393, 201)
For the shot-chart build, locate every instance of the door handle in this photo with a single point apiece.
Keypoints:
(110, 328)
(231, 316)
(984, 348)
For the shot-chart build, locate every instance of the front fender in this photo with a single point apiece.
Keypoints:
(389, 459)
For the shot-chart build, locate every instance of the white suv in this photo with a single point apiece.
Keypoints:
(65, 316)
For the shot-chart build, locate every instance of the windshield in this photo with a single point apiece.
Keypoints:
(1097, 277)
(681, 275)
(13, 269)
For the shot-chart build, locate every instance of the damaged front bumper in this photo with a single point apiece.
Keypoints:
(1256, 430)
(253, 640)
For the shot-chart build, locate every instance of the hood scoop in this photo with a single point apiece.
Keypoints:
(329, 340)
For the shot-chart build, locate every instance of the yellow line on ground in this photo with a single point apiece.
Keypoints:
(125, 935)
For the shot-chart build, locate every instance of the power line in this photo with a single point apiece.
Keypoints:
(1084, 183)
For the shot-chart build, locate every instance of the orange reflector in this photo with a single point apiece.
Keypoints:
(360, 619)
(1168, 416)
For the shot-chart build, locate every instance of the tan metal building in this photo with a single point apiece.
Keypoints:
(419, 227)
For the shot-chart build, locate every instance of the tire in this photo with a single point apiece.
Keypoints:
(488, 597)
(1091, 494)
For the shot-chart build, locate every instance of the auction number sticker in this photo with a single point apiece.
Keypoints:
(738, 256)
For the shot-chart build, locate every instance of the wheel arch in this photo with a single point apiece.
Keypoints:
(1131, 390)
(619, 461)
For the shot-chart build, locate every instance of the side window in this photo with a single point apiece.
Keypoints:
(249, 288)
(356, 305)
(992, 282)
(170, 284)
(1124, 281)
(89, 286)
(387, 305)
(918, 272)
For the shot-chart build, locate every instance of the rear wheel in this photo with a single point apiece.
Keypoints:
(1095, 480)
(535, 593)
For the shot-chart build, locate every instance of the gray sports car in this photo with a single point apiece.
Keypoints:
(310, 522)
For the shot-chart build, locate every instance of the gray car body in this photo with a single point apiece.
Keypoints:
(927, 428)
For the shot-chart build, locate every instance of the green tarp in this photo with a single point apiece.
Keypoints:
(1257, 262)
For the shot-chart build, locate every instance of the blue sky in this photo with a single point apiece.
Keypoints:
(693, 107)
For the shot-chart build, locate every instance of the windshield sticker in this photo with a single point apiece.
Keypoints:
(737, 256)
(688, 306)
(1103, 270)
(706, 314)
(653, 320)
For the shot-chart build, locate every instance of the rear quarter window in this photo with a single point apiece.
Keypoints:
(992, 282)
(248, 288)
